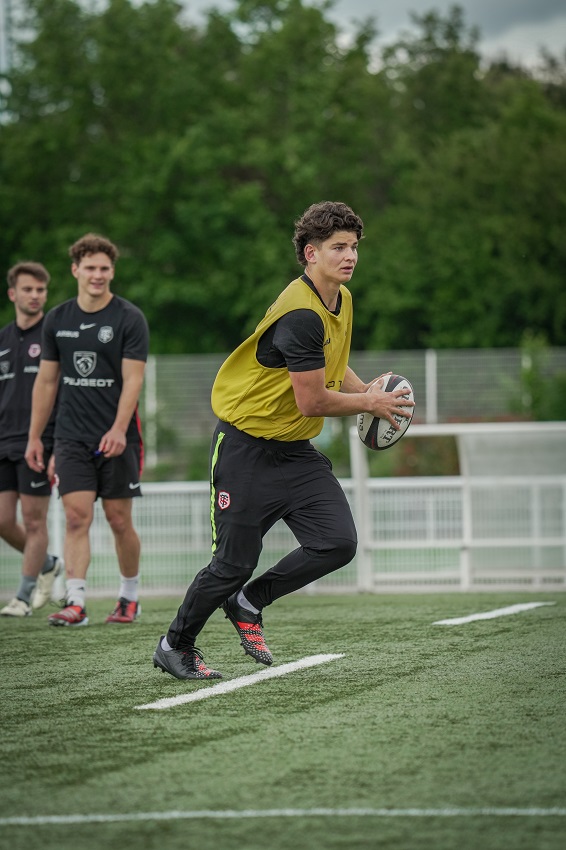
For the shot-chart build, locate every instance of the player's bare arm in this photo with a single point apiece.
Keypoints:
(352, 383)
(113, 442)
(314, 399)
(42, 402)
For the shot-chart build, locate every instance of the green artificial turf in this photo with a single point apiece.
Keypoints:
(414, 716)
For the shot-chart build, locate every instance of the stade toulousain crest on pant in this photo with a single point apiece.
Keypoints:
(379, 434)
(223, 500)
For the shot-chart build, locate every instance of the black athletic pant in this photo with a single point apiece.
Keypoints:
(254, 483)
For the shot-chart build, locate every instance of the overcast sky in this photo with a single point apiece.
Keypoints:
(518, 27)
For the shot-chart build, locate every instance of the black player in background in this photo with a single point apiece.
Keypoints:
(20, 350)
(95, 347)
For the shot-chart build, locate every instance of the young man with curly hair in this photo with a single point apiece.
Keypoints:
(271, 396)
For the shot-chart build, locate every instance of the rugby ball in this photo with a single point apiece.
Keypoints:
(379, 434)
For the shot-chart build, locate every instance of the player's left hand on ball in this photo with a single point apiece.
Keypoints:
(378, 383)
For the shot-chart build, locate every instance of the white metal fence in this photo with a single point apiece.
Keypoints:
(473, 531)
(449, 533)
(450, 385)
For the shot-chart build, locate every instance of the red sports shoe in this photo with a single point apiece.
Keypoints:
(125, 611)
(249, 627)
(71, 615)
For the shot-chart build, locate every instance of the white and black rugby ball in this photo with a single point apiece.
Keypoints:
(379, 434)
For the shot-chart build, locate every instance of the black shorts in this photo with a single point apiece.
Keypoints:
(78, 467)
(15, 475)
(255, 482)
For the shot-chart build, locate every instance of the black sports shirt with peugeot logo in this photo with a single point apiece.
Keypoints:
(20, 353)
(90, 348)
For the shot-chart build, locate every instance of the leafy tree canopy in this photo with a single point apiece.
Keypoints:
(196, 148)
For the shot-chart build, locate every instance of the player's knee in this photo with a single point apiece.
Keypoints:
(230, 572)
(346, 550)
(339, 551)
(7, 524)
(34, 525)
(119, 523)
(77, 521)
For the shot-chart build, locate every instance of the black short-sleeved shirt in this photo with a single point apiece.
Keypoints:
(90, 348)
(296, 341)
(20, 352)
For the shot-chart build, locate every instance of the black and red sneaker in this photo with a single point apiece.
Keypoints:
(183, 663)
(125, 611)
(250, 628)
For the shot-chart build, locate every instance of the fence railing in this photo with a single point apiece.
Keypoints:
(473, 531)
(465, 532)
(450, 385)
(443, 533)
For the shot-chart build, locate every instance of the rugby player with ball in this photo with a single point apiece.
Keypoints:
(271, 396)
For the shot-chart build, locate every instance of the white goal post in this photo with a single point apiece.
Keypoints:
(501, 523)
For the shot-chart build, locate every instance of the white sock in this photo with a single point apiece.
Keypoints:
(243, 602)
(76, 591)
(129, 588)
(165, 644)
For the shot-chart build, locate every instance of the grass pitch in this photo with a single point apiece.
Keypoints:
(432, 725)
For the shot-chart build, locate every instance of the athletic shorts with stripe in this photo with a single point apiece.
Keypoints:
(254, 483)
(79, 467)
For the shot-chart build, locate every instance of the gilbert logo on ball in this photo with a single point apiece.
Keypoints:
(379, 434)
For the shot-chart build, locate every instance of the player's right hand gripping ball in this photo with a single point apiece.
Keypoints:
(379, 434)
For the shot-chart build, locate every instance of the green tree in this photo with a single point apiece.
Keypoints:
(435, 78)
(473, 252)
(469, 251)
(195, 148)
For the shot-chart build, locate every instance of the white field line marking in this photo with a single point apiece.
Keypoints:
(241, 682)
(229, 814)
(490, 615)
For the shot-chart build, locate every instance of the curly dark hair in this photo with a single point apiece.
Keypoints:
(36, 270)
(92, 243)
(320, 221)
